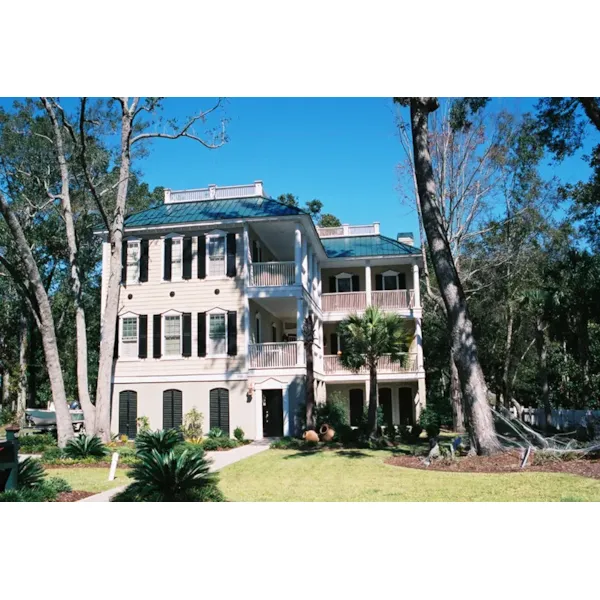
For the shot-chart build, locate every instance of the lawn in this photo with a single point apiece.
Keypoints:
(362, 476)
(90, 479)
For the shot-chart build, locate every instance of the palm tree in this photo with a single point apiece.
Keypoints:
(308, 333)
(365, 339)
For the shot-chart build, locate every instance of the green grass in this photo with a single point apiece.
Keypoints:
(90, 480)
(362, 476)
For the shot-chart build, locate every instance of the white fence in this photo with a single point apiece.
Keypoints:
(347, 301)
(264, 274)
(273, 355)
(393, 298)
(562, 419)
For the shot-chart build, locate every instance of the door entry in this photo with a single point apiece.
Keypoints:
(272, 411)
(357, 406)
(405, 398)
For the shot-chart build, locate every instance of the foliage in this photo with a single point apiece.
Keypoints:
(238, 434)
(329, 220)
(219, 442)
(45, 491)
(58, 484)
(7, 416)
(334, 412)
(35, 443)
(31, 473)
(85, 446)
(53, 455)
(163, 441)
(290, 443)
(216, 432)
(192, 426)
(143, 424)
(429, 420)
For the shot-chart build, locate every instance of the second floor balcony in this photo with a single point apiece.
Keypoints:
(273, 273)
(348, 302)
(275, 355)
(407, 364)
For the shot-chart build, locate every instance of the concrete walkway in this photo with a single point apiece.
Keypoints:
(220, 460)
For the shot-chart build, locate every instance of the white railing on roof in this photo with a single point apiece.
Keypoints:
(346, 230)
(213, 192)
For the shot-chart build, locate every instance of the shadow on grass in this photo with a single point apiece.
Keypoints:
(352, 454)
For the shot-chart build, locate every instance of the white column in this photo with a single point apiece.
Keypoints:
(319, 284)
(286, 411)
(419, 340)
(420, 399)
(299, 335)
(368, 281)
(245, 302)
(416, 286)
(246, 257)
(304, 249)
(257, 397)
(298, 254)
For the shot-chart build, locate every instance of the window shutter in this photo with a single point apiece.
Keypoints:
(332, 287)
(219, 409)
(143, 336)
(187, 334)
(124, 262)
(231, 332)
(144, 260)
(379, 281)
(231, 255)
(355, 283)
(172, 409)
(116, 350)
(128, 413)
(156, 336)
(334, 343)
(401, 281)
(201, 257)
(168, 259)
(187, 258)
(201, 334)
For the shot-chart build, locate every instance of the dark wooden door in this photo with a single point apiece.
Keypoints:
(405, 398)
(219, 409)
(357, 406)
(385, 401)
(272, 413)
(128, 413)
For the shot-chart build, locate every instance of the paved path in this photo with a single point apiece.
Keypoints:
(220, 460)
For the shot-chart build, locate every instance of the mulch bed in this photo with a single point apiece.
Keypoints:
(503, 462)
(73, 496)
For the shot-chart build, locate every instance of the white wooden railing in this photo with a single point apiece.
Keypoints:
(407, 364)
(213, 192)
(345, 230)
(330, 231)
(393, 298)
(273, 355)
(264, 274)
(344, 302)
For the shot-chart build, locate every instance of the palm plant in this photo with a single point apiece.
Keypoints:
(31, 473)
(85, 446)
(365, 339)
(162, 441)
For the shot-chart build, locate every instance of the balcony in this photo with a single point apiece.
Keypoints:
(407, 364)
(344, 302)
(276, 355)
(391, 299)
(272, 274)
(348, 302)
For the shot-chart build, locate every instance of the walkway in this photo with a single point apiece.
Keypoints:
(220, 460)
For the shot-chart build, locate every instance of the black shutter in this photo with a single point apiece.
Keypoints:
(219, 409)
(355, 283)
(116, 350)
(156, 336)
(332, 288)
(187, 258)
(401, 281)
(172, 409)
(168, 259)
(379, 281)
(187, 334)
(201, 334)
(144, 260)
(231, 332)
(143, 336)
(124, 262)
(128, 413)
(334, 343)
(231, 255)
(201, 257)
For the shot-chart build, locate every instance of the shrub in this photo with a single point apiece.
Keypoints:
(215, 432)
(334, 412)
(31, 473)
(143, 424)
(85, 446)
(430, 421)
(238, 434)
(12, 496)
(162, 441)
(58, 484)
(123, 438)
(7, 416)
(192, 426)
(168, 478)
(219, 443)
(409, 435)
(290, 443)
(53, 455)
(45, 492)
(35, 443)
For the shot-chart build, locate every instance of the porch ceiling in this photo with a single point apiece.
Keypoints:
(278, 236)
(282, 308)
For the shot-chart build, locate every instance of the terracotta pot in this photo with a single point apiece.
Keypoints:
(327, 433)
(310, 436)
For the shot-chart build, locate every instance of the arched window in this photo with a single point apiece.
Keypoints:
(128, 413)
(172, 409)
(219, 409)
(385, 401)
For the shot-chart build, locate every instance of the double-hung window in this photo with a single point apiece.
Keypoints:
(176, 259)
(216, 255)
(133, 261)
(129, 337)
(173, 336)
(344, 283)
(217, 334)
(390, 280)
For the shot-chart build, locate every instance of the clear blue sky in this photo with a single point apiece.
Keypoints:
(343, 151)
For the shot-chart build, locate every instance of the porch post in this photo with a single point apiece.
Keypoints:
(319, 284)
(419, 339)
(298, 254)
(286, 411)
(246, 303)
(304, 250)
(416, 286)
(368, 281)
(299, 335)
(420, 400)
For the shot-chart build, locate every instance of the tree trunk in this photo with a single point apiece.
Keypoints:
(464, 348)
(506, 387)
(5, 398)
(543, 371)
(308, 334)
(458, 420)
(45, 324)
(111, 308)
(372, 415)
(23, 353)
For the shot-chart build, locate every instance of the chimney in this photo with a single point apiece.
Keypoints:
(406, 237)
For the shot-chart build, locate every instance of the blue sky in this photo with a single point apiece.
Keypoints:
(343, 151)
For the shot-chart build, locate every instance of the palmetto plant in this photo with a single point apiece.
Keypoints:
(31, 473)
(169, 478)
(162, 441)
(85, 446)
(365, 339)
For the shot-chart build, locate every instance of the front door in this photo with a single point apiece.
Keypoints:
(357, 406)
(272, 413)
(405, 396)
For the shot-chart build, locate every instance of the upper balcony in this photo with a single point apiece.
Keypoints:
(407, 364)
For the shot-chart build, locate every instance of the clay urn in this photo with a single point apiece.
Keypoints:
(327, 433)
(310, 436)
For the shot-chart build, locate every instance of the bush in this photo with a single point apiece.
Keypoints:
(410, 435)
(31, 473)
(334, 412)
(12, 496)
(192, 426)
(35, 443)
(7, 416)
(219, 443)
(169, 478)
(290, 443)
(58, 484)
(430, 421)
(45, 492)
(162, 441)
(215, 432)
(238, 434)
(85, 446)
(53, 455)
(143, 424)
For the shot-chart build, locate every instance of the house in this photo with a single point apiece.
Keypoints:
(216, 284)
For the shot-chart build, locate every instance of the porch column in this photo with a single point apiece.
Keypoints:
(298, 254)
(319, 284)
(257, 397)
(420, 400)
(247, 264)
(286, 410)
(416, 286)
(304, 256)
(368, 281)
(419, 340)
(299, 335)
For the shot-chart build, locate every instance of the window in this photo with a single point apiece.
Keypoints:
(133, 261)
(217, 335)
(343, 283)
(176, 259)
(129, 337)
(216, 255)
(173, 336)
(390, 282)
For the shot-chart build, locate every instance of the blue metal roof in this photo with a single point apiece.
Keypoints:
(210, 210)
(367, 245)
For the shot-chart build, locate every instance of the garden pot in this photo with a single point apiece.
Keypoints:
(310, 436)
(327, 433)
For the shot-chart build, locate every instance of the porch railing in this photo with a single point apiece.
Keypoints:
(393, 298)
(264, 274)
(273, 355)
(406, 364)
(344, 302)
